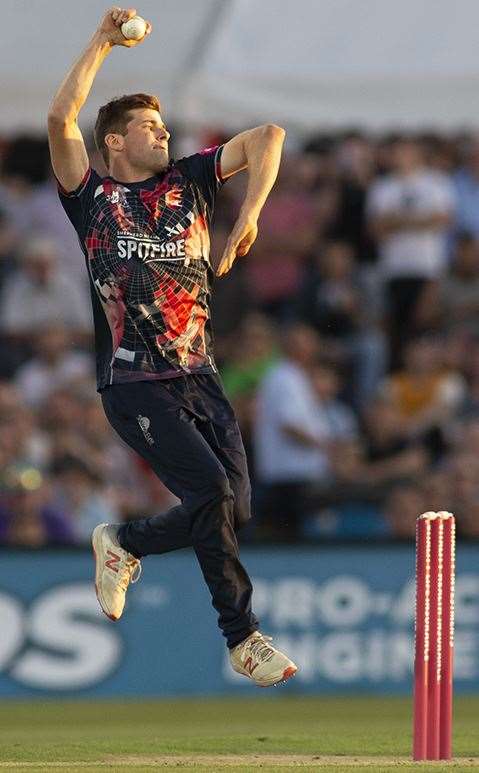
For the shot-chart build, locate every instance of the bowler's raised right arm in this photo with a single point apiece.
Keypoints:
(67, 148)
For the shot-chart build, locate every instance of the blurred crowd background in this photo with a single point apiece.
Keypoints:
(347, 341)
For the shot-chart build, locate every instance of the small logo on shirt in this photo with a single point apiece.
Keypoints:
(115, 196)
(144, 423)
(173, 197)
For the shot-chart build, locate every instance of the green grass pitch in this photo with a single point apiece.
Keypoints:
(268, 733)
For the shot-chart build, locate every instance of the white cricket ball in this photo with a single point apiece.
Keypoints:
(134, 29)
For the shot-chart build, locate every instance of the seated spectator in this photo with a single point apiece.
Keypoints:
(27, 516)
(80, 492)
(331, 300)
(54, 366)
(469, 408)
(435, 489)
(9, 398)
(459, 299)
(291, 436)
(77, 429)
(365, 468)
(156, 497)
(287, 233)
(44, 214)
(466, 182)
(21, 440)
(402, 508)
(288, 217)
(253, 351)
(452, 305)
(468, 520)
(61, 418)
(335, 303)
(463, 470)
(339, 417)
(231, 299)
(423, 392)
(38, 294)
(392, 452)
(126, 483)
(25, 164)
(61, 411)
(7, 246)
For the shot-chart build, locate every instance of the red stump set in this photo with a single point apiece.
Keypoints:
(434, 644)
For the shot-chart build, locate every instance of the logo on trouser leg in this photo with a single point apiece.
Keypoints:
(144, 423)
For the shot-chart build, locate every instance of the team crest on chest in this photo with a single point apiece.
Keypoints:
(114, 194)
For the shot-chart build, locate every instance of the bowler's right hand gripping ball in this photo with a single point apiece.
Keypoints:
(134, 29)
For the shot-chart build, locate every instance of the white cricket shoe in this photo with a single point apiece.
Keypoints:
(258, 660)
(114, 570)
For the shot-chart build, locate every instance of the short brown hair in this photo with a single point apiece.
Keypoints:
(114, 116)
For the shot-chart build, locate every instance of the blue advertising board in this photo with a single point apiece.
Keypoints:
(345, 614)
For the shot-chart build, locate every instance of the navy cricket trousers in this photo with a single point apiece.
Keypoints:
(186, 429)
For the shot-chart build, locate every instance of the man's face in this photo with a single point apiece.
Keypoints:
(406, 156)
(146, 140)
(40, 267)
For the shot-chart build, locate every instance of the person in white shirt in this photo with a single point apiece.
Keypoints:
(39, 293)
(410, 211)
(54, 365)
(291, 433)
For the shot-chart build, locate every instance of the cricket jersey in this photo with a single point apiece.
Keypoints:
(146, 246)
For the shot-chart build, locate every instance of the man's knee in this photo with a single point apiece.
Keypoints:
(242, 507)
(215, 488)
(218, 486)
(211, 508)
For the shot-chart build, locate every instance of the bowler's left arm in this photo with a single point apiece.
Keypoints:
(259, 152)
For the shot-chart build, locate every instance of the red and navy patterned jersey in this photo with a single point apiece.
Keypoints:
(146, 246)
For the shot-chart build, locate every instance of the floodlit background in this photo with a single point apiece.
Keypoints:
(363, 283)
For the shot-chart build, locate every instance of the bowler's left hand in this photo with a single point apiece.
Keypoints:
(241, 238)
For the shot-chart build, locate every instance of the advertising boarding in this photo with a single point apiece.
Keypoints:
(345, 614)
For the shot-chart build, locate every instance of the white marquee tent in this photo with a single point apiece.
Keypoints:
(307, 64)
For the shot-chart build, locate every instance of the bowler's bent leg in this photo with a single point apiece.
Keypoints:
(187, 465)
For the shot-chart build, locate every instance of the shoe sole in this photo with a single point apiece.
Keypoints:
(280, 679)
(95, 537)
(287, 674)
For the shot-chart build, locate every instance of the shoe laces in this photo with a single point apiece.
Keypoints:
(260, 649)
(131, 571)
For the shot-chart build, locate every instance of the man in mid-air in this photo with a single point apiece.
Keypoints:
(144, 230)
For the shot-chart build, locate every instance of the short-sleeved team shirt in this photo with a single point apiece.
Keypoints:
(146, 246)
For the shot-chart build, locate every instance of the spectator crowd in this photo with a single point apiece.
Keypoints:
(347, 340)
